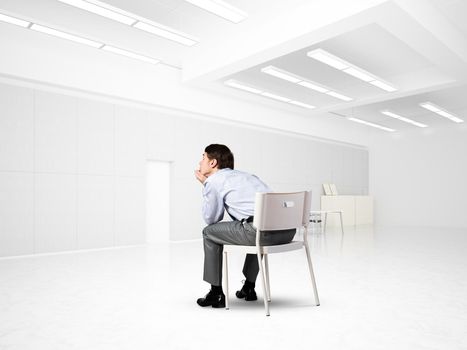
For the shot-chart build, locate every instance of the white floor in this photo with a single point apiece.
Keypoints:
(379, 289)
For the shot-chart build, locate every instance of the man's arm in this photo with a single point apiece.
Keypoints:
(213, 204)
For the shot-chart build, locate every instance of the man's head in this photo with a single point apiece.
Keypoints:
(216, 157)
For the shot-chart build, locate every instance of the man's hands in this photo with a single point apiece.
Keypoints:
(200, 177)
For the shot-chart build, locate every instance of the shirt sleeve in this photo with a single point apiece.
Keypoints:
(213, 204)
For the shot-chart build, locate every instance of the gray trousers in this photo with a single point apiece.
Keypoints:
(239, 233)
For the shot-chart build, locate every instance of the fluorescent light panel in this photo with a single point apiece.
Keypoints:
(221, 8)
(312, 86)
(383, 86)
(339, 96)
(440, 111)
(238, 85)
(404, 119)
(371, 124)
(165, 32)
(102, 9)
(327, 58)
(119, 15)
(66, 36)
(78, 39)
(14, 20)
(282, 74)
(357, 73)
(344, 66)
(275, 97)
(431, 107)
(130, 54)
(241, 86)
(301, 104)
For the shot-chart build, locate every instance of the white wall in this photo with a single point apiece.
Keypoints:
(418, 178)
(72, 169)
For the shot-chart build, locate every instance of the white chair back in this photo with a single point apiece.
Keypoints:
(281, 211)
(276, 211)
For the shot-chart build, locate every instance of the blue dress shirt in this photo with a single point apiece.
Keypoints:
(233, 190)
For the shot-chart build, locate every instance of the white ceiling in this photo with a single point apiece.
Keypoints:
(419, 46)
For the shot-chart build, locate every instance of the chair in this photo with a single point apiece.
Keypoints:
(275, 211)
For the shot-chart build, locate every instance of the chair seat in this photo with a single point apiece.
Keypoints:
(269, 249)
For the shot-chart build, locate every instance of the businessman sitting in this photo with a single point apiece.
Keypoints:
(234, 191)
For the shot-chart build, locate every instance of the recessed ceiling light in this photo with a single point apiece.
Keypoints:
(383, 86)
(404, 119)
(275, 97)
(359, 74)
(370, 124)
(221, 8)
(242, 86)
(103, 9)
(14, 20)
(166, 32)
(430, 107)
(80, 40)
(67, 36)
(279, 73)
(441, 111)
(293, 78)
(327, 58)
(339, 96)
(301, 104)
(346, 67)
(130, 54)
(312, 86)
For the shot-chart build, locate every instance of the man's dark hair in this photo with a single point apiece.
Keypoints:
(221, 153)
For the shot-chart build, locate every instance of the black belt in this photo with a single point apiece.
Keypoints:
(249, 219)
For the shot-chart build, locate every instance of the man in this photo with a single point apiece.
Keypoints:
(234, 191)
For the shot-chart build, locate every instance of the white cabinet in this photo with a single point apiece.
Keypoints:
(356, 210)
(363, 210)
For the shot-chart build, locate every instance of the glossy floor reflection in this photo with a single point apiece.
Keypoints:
(379, 289)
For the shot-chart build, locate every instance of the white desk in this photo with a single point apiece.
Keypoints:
(357, 210)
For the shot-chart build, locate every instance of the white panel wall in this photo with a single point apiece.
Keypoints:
(55, 133)
(95, 211)
(55, 212)
(16, 129)
(418, 178)
(16, 213)
(72, 170)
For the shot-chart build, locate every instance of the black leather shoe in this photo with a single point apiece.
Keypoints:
(211, 299)
(247, 293)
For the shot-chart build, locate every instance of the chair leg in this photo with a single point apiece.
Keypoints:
(266, 264)
(226, 281)
(265, 292)
(312, 275)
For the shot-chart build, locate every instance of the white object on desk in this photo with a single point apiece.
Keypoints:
(314, 214)
(333, 188)
(327, 190)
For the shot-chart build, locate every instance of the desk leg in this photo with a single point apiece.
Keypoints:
(325, 221)
(342, 225)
